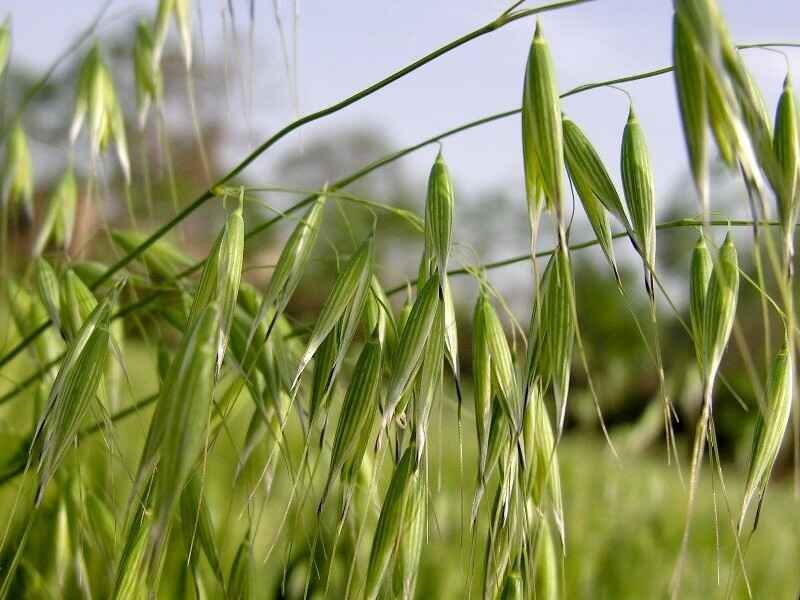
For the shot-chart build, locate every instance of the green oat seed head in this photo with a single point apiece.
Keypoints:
(439, 211)
(594, 187)
(17, 175)
(691, 89)
(77, 303)
(787, 153)
(770, 428)
(147, 72)
(552, 332)
(242, 583)
(481, 376)
(49, 290)
(358, 413)
(701, 270)
(96, 102)
(293, 260)
(637, 181)
(347, 296)
(72, 393)
(412, 540)
(719, 309)
(542, 134)
(411, 345)
(58, 224)
(389, 529)
(180, 425)
(5, 44)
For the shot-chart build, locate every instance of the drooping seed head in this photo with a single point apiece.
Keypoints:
(720, 307)
(594, 186)
(294, 258)
(242, 584)
(389, 529)
(198, 528)
(358, 411)
(183, 18)
(409, 550)
(637, 181)
(229, 275)
(439, 211)
(71, 395)
(49, 289)
(5, 44)
(552, 331)
(59, 220)
(147, 72)
(787, 153)
(770, 428)
(702, 267)
(504, 376)
(180, 425)
(347, 296)
(691, 88)
(17, 191)
(542, 114)
(429, 380)
(481, 376)
(96, 99)
(77, 303)
(411, 346)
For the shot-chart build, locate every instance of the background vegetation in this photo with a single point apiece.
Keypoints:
(624, 492)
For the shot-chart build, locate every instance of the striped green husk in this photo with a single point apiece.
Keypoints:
(543, 476)
(58, 224)
(72, 393)
(411, 346)
(770, 428)
(77, 302)
(347, 297)
(594, 188)
(322, 382)
(229, 275)
(293, 260)
(587, 171)
(186, 411)
(552, 332)
(429, 380)
(542, 114)
(787, 154)
(637, 181)
(17, 175)
(412, 539)
(358, 411)
(504, 376)
(439, 210)
(242, 583)
(701, 271)
(720, 307)
(389, 529)
(198, 529)
(481, 377)
(691, 89)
